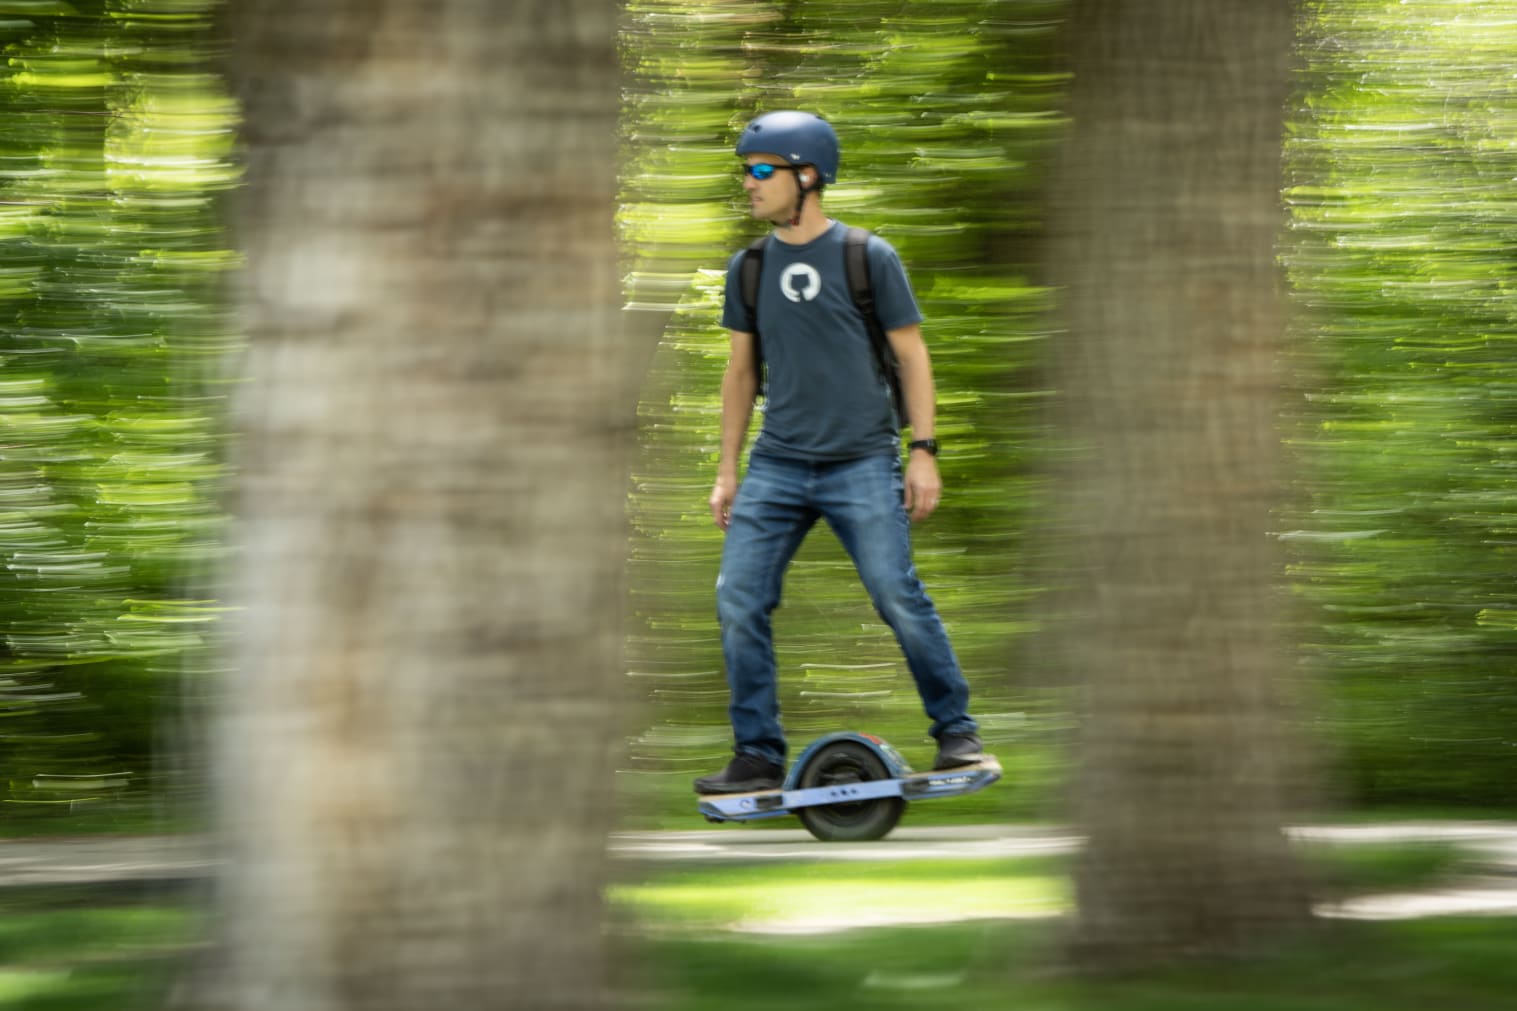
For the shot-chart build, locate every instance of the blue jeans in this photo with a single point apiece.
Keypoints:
(861, 500)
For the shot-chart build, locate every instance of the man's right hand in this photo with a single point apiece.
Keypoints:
(722, 497)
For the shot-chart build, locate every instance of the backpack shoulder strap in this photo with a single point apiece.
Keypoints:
(856, 262)
(861, 287)
(749, 271)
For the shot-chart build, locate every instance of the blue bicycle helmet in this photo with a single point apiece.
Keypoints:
(801, 138)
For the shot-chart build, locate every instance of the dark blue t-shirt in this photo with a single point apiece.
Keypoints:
(825, 399)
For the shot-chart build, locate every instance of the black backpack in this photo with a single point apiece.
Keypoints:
(856, 265)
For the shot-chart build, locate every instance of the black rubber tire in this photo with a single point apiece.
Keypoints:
(863, 821)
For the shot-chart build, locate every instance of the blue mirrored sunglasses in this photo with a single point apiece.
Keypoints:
(762, 172)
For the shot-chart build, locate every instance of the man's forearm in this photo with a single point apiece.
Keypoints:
(918, 393)
(738, 390)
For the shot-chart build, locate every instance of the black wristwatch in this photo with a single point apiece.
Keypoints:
(931, 445)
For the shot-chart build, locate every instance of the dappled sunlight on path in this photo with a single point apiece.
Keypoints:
(825, 905)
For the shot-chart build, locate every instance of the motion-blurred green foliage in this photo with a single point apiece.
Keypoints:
(115, 154)
(1402, 189)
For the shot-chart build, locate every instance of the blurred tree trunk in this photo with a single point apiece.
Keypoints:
(417, 759)
(1166, 218)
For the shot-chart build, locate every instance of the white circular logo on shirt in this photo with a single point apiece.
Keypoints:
(800, 280)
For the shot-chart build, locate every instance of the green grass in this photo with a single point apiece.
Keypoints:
(69, 934)
(759, 936)
(126, 817)
(798, 896)
(89, 988)
(1341, 869)
(1410, 966)
(80, 949)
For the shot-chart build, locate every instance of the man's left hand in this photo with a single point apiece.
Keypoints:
(923, 486)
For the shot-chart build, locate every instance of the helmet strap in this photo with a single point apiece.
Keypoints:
(800, 202)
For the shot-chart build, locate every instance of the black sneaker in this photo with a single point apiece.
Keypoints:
(744, 774)
(955, 750)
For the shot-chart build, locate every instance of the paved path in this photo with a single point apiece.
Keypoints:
(1495, 839)
(1491, 845)
(104, 860)
(747, 844)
